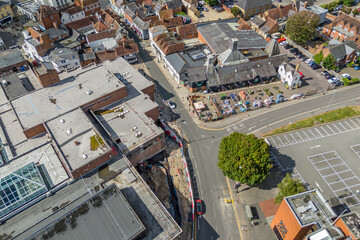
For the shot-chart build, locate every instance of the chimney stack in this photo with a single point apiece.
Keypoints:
(233, 44)
(305, 4)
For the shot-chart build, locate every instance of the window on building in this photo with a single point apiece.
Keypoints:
(51, 17)
(346, 29)
(72, 17)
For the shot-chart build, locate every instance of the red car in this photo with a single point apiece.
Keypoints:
(199, 207)
(301, 74)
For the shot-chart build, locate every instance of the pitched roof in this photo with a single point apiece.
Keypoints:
(257, 21)
(250, 4)
(63, 53)
(141, 24)
(87, 56)
(172, 4)
(186, 29)
(165, 14)
(81, 23)
(47, 11)
(126, 47)
(101, 35)
(353, 45)
(279, 12)
(243, 25)
(172, 22)
(272, 48)
(99, 26)
(338, 51)
(346, 19)
(74, 10)
(10, 57)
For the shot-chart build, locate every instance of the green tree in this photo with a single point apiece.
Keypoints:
(211, 2)
(244, 158)
(329, 62)
(288, 187)
(348, 3)
(302, 26)
(355, 12)
(235, 11)
(318, 57)
(346, 10)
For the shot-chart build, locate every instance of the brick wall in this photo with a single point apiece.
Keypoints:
(153, 113)
(294, 230)
(113, 96)
(17, 65)
(150, 91)
(76, 173)
(49, 78)
(34, 131)
(149, 151)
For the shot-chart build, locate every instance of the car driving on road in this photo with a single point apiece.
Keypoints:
(199, 207)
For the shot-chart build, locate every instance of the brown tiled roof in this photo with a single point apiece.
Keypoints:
(172, 22)
(101, 35)
(346, 19)
(243, 25)
(47, 11)
(89, 2)
(186, 29)
(151, 19)
(166, 14)
(279, 12)
(108, 19)
(81, 23)
(99, 26)
(168, 43)
(106, 55)
(74, 10)
(270, 23)
(191, 2)
(126, 47)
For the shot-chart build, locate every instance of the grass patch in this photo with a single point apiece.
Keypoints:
(95, 142)
(107, 111)
(330, 116)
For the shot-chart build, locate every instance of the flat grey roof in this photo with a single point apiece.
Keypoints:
(29, 6)
(13, 86)
(219, 35)
(310, 207)
(36, 107)
(75, 126)
(352, 222)
(10, 57)
(133, 117)
(106, 215)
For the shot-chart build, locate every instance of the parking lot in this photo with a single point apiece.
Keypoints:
(324, 157)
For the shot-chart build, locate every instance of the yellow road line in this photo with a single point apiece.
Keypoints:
(233, 204)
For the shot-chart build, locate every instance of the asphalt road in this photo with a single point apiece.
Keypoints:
(218, 221)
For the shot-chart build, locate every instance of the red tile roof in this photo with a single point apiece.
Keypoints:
(99, 26)
(81, 23)
(243, 25)
(101, 35)
(187, 29)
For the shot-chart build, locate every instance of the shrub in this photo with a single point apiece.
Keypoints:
(350, 64)
(354, 80)
(346, 81)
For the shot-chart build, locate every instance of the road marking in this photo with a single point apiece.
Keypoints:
(318, 132)
(319, 186)
(348, 124)
(300, 136)
(236, 215)
(336, 127)
(312, 134)
(306, 134)
(282, 144)
(293, 137)
(263, 119)
(316, 146)
(324, 130)
(354, 123)
(252, 127)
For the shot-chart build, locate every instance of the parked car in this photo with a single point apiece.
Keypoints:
(315, 66)
(357, 68)
(308, 60)
(172, 105)
(303, 58)
(283, 43)
(346, 75)
(288, 46)
(311, 63)
(325, 73)
(294, 50)
(298, 95)
(329, 76)
(334, 79)
(205, 9)
(199, 207)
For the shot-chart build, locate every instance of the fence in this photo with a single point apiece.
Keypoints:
(303, 50)
(169, 132)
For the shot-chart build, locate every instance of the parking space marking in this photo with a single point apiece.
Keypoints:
(357, 152)
(354, 123)
(339, 182)
(318, 132)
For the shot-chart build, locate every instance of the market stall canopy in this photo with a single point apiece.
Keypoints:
(199, 105)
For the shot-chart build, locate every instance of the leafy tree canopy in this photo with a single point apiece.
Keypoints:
(244, 158)
(348, 3)
(235, 11)
(302, 26)
(211, 2)
(288, 187)
(329, 62)
(318, 57)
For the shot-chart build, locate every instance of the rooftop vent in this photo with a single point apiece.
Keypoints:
(69, 131)
(62, 120)
(4, 82)
(89, 92)
(133, 128)
(84, 156)
(126, 111)
(138, 134)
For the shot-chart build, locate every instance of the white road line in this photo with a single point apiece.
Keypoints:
(336, 127)
(318, 132)
(300, 136)
(336, 173)
(286, 138)
(330, 129)
(293, 137)
(305, 134)
(316, 146)
(324, 131)
(320, 168)
(348, 178)
(252, 127)
(354, 123)
(272, 139)
(319, 186)
(342, 126)
(358, 120)
(348, 124)
(282, 144)
(312, 134)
